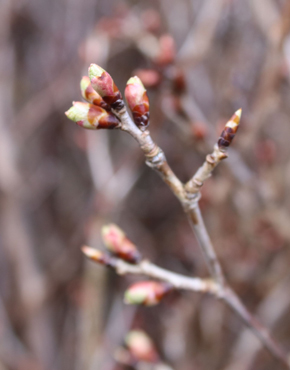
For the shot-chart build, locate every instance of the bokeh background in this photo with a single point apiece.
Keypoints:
(200, 60)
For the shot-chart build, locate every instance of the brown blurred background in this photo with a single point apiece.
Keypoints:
(200, 60)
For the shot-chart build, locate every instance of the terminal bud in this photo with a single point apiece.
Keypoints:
(104, 85)
(118, 243)
(96, 255)
(138, 102)
(229, 131)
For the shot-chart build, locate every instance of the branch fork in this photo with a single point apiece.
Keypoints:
(188, 195)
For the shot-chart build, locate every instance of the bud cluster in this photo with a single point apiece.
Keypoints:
(105, 102)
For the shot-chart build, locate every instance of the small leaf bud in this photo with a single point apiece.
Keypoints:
(96, 255)
(104, 85)
(90, 95)
(118, 243)
(229, 131)
(91, 116)
(138, 101)
(147, 293)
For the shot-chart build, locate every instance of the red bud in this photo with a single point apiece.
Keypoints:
(90, 95)
(138, 101)
(104, 85)
(91, 116)
(117, 242)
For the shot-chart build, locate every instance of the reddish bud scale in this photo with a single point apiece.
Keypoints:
(117, 242)
(105, 86)
(100, 118)
(90, 95)
(91, 116)
(147, 293)
(138, 102)
(229, 131)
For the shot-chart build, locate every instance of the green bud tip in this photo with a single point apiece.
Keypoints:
(78, 111)
(135, 80)
(85, 82)
(135, 296)
(95, 71)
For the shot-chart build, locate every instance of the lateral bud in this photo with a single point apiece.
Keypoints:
(229, 131)
(147, 293)
(97, 256)
(105, 86)
(141, 346)
(118, 243)
(138, 102)
(90, 95)
(92, 117)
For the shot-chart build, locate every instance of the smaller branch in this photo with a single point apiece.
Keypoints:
(204, 172)
(155, 157)
(219, 153)
(196, 222)
(178, 281)
(147, 268)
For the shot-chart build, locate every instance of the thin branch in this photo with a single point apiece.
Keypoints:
(178, 281)
(189, 195)
(196, 222)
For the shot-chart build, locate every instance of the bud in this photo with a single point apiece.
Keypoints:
(117, 242)
(141, 346)
(91, 117)
(148, 293)
(104, 85)
(230, 130)
(90, 95)
(96, 255)
(138, 101)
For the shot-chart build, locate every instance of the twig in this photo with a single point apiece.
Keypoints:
(178, 281)
(189, 196)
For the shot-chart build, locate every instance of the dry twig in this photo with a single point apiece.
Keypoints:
(188, 194)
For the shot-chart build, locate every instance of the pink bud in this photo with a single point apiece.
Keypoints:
(117, 242)
(138, 101)
(104, 85)
(147, 293)
(90, 95)
(91, 116)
